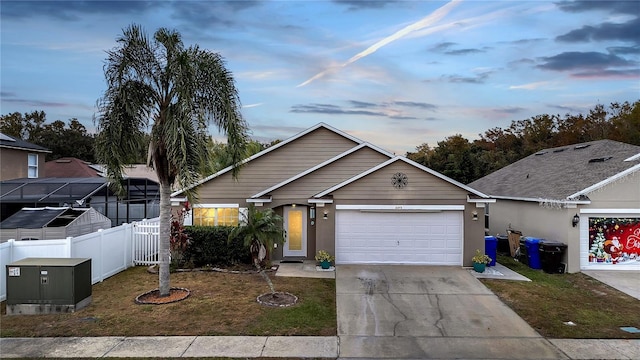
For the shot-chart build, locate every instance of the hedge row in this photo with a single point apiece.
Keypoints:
(208, 246)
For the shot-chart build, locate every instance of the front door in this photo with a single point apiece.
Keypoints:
(295, 226)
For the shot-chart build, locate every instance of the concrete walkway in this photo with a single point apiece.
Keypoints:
(460, 343)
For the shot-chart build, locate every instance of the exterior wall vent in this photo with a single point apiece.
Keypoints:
(583, 146)
(540, 153)
(559, 150)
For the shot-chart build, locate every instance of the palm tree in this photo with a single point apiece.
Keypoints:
(177, 92)
(259, 230)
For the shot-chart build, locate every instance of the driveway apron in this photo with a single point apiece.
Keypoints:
(422, 312)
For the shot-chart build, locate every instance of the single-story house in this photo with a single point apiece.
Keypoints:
(585, 195)
(359, 202)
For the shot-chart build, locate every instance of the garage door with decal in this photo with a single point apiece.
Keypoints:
(387, 237)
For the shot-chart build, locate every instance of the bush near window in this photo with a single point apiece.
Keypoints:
(209, 247)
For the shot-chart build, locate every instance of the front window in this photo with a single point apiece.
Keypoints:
(32, 166)
(215, 216)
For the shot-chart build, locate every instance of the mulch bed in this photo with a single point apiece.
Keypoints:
(153, 297)
(277, 299)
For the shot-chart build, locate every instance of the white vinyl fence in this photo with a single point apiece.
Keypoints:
(111, 251)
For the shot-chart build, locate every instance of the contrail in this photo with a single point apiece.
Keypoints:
(427, 21)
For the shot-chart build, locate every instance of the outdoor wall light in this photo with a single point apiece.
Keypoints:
(475, 216)
(575, 220)
(325, 215)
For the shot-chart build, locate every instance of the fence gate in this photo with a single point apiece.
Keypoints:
(146, 242)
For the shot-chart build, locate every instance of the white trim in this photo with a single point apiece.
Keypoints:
(609, 211)
(175, 201)
(319, 166)
(270, 149)
(605, 182)
(320, 201)
(262, 200)
(633, 158)
(408, 161)
(539, 200)
(484, 201)
(401, 207)
(216, 205)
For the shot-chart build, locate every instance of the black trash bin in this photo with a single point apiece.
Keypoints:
(551, 254)
(522, 252)
(503, 245)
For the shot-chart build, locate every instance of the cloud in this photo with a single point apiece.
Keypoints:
(441, 47)
(478, 79)
(34, 103)
(624, 50)
(389, 109)
(73, 10)
(423, 23)
(419, 105)
(583, 60)
(331, 110)
(464, 52)
(615, 7)
(609, 73)
(508, 110)
(531, 86)
(252, 105)
(365, 4)
(628, 31)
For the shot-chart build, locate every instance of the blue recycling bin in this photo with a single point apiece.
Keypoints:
(533, 255)
(491, 248)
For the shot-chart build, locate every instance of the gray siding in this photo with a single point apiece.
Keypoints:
(274, 167)
(330, 175)
(421, 186)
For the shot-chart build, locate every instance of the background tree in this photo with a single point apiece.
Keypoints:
(178, 92)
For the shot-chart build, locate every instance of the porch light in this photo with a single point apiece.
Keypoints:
(475, 216)
(325, 215)
(575, 220)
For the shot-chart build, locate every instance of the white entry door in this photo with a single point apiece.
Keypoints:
(295, 225)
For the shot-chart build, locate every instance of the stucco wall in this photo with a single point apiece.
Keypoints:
(538, 221)
(14, 164)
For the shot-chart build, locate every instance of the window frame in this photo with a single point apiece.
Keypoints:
(31, 166)
(216, 218)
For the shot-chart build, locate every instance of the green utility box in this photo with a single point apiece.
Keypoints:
(48, 285)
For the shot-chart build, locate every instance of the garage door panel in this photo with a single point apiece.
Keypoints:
(399, 238)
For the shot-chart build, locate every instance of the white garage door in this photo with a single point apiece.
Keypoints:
(399, 237)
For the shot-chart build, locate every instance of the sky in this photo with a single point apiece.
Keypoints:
(396, 74)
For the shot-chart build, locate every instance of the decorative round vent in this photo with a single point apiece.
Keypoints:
(399, 180)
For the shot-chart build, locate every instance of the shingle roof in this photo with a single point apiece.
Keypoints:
(69, 167)
(12, 142)
(558, 173)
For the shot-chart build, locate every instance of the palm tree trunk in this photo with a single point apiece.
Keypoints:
(165, 233)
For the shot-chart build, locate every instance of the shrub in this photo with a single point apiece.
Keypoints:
(209, 247)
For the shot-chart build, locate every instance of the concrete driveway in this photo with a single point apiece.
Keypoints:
(422, 312)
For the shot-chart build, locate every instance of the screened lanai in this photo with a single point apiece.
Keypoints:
(140, 202)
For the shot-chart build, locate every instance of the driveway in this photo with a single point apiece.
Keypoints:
(422, 312)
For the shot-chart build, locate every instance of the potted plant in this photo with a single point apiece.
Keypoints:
(480, 261)
(324, 258)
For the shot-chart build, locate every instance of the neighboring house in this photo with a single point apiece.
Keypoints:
(359, 202)
(70, 167)
(20, 159)
(585, 195)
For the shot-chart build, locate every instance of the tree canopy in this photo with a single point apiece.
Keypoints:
(465, 161)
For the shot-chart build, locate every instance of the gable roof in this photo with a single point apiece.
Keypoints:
(12, 142)
(391, 161)
(319, 166)
(270, 149)
(565, 173)
(69, 167)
